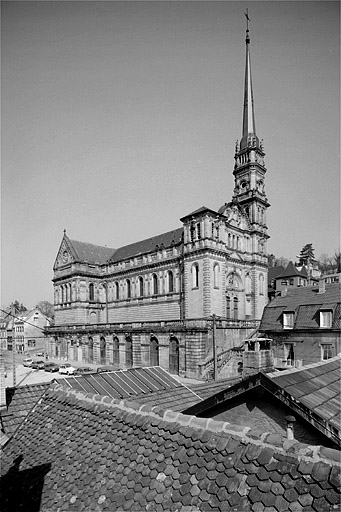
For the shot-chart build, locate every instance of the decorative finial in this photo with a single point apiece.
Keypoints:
(247, 26)
(64, 231)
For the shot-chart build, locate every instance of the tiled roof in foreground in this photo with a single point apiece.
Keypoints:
(152, 385)
(89, 453)
(20, 401)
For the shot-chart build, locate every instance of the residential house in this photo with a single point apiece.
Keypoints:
(29, 330)
(304, 324)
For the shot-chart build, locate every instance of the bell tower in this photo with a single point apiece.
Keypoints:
(249, 169)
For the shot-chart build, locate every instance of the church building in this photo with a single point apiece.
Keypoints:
(153, 302)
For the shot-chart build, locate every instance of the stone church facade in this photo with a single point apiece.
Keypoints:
(153, 301)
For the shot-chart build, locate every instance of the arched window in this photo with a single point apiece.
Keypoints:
(90, 349)
(228, 307)
(229, 240)
(195, 275)
(155, 285)
(170, 282)
(129, 352)
(116, 350)
(154, 351)
(174, 355)
(235, 308)
(91, 292)
(216, 270)
(128, 289)
(141, 286)
(261, 284)
(102, 346)
(117, 291)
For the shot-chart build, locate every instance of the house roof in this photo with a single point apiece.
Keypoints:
(306, 302)
(207, 389)
(83, 452)
(152, 385)
(291, 271)
(20, 401)
(316, 387)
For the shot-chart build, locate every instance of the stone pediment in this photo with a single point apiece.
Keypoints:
(235, 256)
(64, 255)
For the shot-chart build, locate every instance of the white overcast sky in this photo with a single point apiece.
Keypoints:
(119, 118)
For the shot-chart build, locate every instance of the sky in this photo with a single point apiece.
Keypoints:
(119, 118)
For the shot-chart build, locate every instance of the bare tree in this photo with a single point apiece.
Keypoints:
(46, 308)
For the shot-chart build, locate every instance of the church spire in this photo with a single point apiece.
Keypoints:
(249, 137)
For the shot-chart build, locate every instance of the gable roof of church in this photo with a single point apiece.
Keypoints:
(169, 239)
(97, 254)
(92, 453)
(91, 253)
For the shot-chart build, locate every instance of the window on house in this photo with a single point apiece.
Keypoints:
(288, 320)
(91, 292)
(117, 291)
(291, 282)
(289, 354)
(195, 275)
(327, 351)
(325, 318)
(155, 285)
(170, 282)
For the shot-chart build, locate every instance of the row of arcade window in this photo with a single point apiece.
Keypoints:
(140, 290)
(154, 352)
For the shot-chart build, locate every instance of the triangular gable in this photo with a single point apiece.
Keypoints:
(74, 251)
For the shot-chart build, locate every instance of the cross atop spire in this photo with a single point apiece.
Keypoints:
(246, 14)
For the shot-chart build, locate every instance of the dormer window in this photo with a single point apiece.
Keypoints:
(288, 320)
(326, 317)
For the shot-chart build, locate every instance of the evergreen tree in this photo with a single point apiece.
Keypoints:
(306, 256)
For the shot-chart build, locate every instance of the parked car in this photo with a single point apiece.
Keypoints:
(83, 370)
(39, 354)
(51, 367)
(27, 362)
(66, 368)
(101, 369)
(38, 365)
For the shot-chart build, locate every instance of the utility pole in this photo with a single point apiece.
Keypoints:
(215, 365)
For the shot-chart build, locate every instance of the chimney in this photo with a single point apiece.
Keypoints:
(284, 292)
(290, 427)
(322, 285)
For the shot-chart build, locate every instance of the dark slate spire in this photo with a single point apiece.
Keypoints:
(249, 137)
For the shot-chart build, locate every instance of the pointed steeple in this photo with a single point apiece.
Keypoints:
(249, 137)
